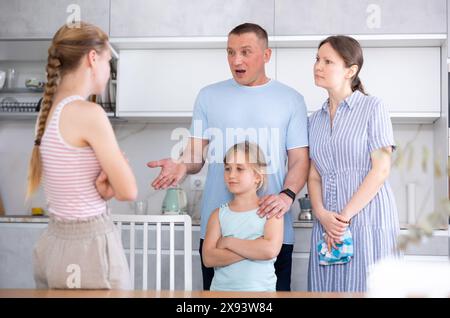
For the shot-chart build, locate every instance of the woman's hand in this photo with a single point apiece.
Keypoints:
(103, 186)
(330, 242)
(332, 224)
(343, 218)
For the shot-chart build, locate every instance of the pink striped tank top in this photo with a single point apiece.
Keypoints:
(69, 173)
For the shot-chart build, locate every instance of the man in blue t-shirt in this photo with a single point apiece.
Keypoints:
(253, 107)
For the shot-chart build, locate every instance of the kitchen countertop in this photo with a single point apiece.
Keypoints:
(297, 224)
(52, 293)
(44, 219)
(23, 219)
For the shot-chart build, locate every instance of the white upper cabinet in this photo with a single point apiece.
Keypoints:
(306, 17)
(406, 79)
(165, 82)
(295, 68)
(37, 19)
(156, 18)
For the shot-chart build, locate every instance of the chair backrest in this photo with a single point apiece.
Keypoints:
(147, 222)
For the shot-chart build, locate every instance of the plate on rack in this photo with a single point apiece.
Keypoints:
(9, 101)
(11, 105)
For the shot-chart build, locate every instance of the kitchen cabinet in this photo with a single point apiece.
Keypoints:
(300, 259)
(28, 59)
(16, 253)
(304, 17)
(299, 272)
(23, 22)
(165, 82)
(435, 249)
(19, 101)
(154, 18)
(17, 240)
(22, 19)
(407, 79)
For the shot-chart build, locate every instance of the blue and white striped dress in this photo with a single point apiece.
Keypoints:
(341, 155)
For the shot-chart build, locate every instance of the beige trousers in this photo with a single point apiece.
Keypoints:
(85, 254)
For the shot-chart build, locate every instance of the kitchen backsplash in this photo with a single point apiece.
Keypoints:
(143, 142)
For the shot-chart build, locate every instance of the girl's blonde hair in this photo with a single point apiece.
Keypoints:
(69, 45)
(253, 156)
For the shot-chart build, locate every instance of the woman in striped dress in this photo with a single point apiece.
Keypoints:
(351, 142)
(81, 165)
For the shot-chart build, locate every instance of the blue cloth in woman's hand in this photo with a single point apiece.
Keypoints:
(343, 254)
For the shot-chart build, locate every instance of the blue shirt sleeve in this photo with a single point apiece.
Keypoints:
(199, 123)
(297, 131)
(380, 133)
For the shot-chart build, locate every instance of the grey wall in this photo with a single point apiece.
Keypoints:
(42, 18)
(138, 18)
(140, 142)
(144, 18)
(302, 17)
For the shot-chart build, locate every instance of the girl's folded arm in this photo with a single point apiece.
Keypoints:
(263, 248)
(211, 254)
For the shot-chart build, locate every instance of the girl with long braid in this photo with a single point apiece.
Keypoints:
(81, 166)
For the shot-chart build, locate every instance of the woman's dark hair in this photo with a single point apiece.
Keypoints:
(350, 51)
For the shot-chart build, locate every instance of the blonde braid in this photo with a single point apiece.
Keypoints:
(53, 77)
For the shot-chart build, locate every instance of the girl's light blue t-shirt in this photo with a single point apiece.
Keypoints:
(245, 275)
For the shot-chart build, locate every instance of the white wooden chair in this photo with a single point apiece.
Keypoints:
(147, 222)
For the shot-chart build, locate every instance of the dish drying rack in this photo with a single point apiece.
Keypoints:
(32, 107)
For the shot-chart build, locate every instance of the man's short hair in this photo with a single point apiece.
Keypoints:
(251, 28)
